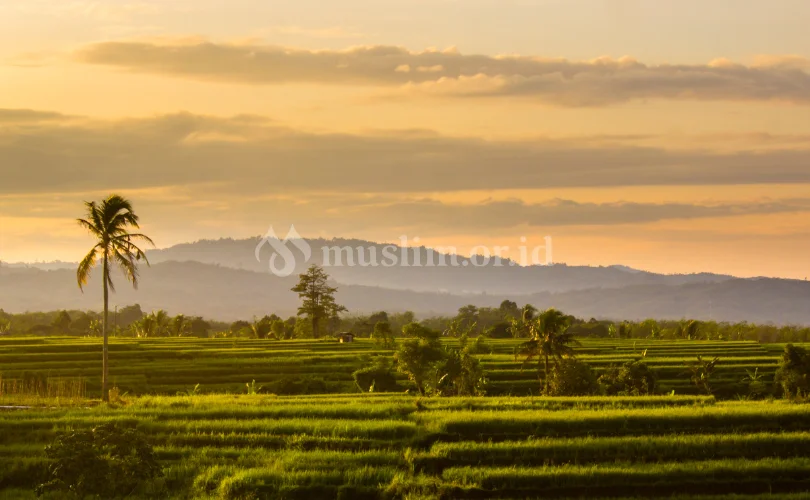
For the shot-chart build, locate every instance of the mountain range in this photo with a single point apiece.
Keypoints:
(224, 279)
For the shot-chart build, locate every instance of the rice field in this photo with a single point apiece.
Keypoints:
(171, 365)
(344, 444)
(395, 446)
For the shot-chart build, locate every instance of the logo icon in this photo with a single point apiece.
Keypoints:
(282, 251)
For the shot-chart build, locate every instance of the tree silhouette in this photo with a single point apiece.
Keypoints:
(109, 222)
(318, 298)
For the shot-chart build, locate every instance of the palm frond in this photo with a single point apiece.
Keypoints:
(92, 229)
(126, 262)
(86, 266)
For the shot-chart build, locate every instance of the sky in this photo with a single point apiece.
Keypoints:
(671, 136)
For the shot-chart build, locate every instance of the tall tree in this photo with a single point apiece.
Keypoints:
(110, 222)
(550, 340)
(318, 298)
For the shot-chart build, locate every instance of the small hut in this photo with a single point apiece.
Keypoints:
(345, 337)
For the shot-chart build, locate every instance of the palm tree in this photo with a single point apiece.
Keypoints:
(109, 222)
(180, 326)
(154, 324)
(550, 341)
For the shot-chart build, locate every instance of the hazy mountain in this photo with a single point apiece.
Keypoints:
(224, 293)
(498, 277)
(46, 266)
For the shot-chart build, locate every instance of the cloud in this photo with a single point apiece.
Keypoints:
(599, 82)
(182, 208)
(491, 215)
(29, 115)
(41, 152)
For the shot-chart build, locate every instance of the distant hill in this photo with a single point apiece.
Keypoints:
(497, 278)
(220, 292)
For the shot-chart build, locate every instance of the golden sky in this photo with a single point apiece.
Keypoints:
(672, 136)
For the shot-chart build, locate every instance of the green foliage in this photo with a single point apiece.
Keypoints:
(551, 341)
(378, 377)
(756, 383)
(479, 346)
(179, 326)
(260, 329)
(107, 461)
(5, 326)
(190, 392)
(466, 321)
(278, 330)
(793, 375)
(253, 389)
(199, 327)
(129, 314)
(689, 330)
(383, 336)
(155, 324)
(417, 356)
(571, 377)
(633, 378)
(502, 330)
(61, 322)
(701, 372)
(460, 374)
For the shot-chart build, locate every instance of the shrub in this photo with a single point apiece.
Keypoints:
(701, 372)
(107, 461)
(502, 330)
(417, 357)
(570, 377)
(377, 377)
(383, 336)
(460, 375)
(793, 375)
(633, 378)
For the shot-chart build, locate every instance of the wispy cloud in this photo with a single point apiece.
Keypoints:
(448, 73)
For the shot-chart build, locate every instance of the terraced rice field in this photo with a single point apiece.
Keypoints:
(166, 366)
(377, 446)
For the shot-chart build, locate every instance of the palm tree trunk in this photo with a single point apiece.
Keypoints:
(105, 393)
(545, 373)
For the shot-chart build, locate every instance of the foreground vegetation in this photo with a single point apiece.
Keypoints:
(400, 446)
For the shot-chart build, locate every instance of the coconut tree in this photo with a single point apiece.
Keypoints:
(551, 341)
(110, 222)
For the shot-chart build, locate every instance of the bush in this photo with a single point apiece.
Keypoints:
(570, 377)
(633, 378)
(290, 385)
(418, 356)
(377, 377)
(502, 330)
(793, 374)
(107, 461)
(460, 375)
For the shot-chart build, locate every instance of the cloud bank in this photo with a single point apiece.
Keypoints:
(449, 73)
(43, 152)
